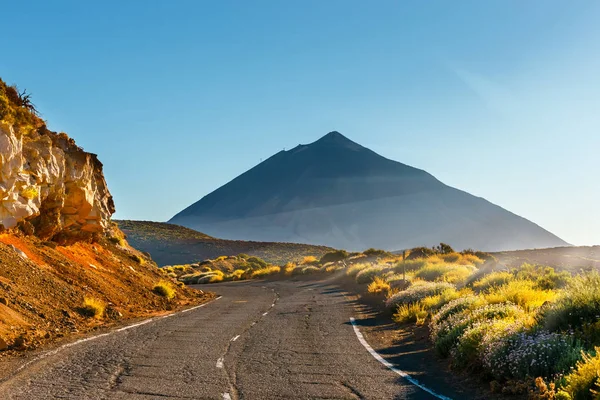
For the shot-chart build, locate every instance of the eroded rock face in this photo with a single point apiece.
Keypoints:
(51, 188)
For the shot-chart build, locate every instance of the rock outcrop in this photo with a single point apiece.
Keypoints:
(49, 186)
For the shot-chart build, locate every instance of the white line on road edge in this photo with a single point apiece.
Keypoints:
(403, 374)
(220, 363)
(235, 338)
(226, 396)
(89, 339)
(265, 313)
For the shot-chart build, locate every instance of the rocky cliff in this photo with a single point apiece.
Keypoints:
(49, 186)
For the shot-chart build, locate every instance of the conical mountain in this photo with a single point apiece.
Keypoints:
(338, 193)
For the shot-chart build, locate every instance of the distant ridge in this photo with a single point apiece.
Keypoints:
(338, 193)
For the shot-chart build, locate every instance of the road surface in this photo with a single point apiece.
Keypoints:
(260, 340)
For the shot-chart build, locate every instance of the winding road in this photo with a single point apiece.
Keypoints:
(260, 340)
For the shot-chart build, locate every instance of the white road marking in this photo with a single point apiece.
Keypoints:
(89, 339)
(220, 363)
(226, 396)
(235, 338)
(389, 365)
(252, 324)
(265, 313)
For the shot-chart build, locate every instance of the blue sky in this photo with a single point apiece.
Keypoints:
(498, 98)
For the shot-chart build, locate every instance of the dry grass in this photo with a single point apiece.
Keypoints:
(407, 313)
(259, 273)
(92, 308)
(520, 292)
(164, 289)
(379, 285)
(309, 260)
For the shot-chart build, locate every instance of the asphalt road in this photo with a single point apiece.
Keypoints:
(260, 340)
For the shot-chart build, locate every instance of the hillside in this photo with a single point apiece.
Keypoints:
(338, 193)
(64, 266)
(565, 258)
(173, 244)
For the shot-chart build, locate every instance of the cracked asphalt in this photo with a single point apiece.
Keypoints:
(260, 340)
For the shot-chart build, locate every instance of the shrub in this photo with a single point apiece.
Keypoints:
(544, 277)
(458, 274)
(578, 305)
(414, 312)
(415, 293)
(410, 265)
(92, 308)
(398, 281)
(367, 275)
(450, 257)
(297, 270)
(469, 259)
(334, 256)
(377, 253)
(522, 293)
(258, 273)
(209, 278)
(310, 270)
(446, 334)
(378, 285)
(432, 272)
(164, 289)
(582, 383)
(333, 268)
(444, 248)
(444, 272)
(492, 280)
(309, 260)
(454, 307)
(236, 275)
(432, 303)
(289, 267)
(256, 263)
(355, 269)
(467, 352)
(524, 355)
(420, 252)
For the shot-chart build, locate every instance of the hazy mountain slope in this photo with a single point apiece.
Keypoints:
(173, 244)
(338, 193)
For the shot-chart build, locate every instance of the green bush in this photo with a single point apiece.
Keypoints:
(493, 279)
(446, 334)
(416, 293)
(544, 277)
(256, 263)
(578, 305)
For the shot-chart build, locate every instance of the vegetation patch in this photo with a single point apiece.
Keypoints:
(92, 307)
(164, 289)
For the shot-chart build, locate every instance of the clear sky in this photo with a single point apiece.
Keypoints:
(498, 98)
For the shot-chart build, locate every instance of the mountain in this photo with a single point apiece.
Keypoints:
(337, 193)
